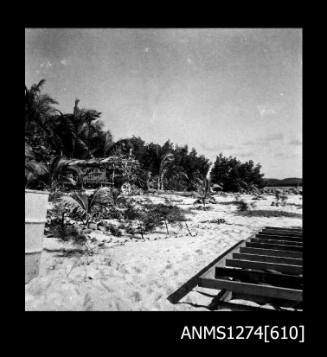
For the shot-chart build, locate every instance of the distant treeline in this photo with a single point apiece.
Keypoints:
(291, 181)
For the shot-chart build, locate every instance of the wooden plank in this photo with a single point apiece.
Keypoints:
(284, 268)
(193, 282)
(276, 237)
(281, 237)
(278, 304)
(267, 258)
(250, 276)
(273, 241)
(280, 233)
(283, 231)
(223, 295)
(285, 228)
(252, 289)
(271, 252)
(273, 246)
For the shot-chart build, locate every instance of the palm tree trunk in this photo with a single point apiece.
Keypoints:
(113, 175)
(166, 227)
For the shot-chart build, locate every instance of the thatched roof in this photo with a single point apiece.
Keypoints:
(104, 162)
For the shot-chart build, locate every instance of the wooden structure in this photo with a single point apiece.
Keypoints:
(265, 268)
(107, 171)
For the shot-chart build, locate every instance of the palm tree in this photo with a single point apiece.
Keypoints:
(165, 161)
(81, 134)
(160, 158)
(48, 175)
(84, 205)
(38, 110)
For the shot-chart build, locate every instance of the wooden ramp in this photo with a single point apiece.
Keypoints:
(266, 268)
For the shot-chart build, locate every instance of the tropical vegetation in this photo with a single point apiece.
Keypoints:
(53, 140)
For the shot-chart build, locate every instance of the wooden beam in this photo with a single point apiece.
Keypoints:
(283, 232)
(250, 276)
(279, 233)
(284, 268)
(193, 282)
(272, 252)
(281, 237)
(276, 303)
(285, 228)
(252, 289)
(274, 241)
(273, 246)
(223, 295)
(267, 258)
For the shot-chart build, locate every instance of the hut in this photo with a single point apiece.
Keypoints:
(110, 171)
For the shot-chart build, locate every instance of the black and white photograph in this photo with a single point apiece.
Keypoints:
(163, 169)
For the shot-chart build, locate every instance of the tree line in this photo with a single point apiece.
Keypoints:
(53, 138)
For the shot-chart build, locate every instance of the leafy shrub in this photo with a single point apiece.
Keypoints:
(68, 233)
(86, 206)
(55, 195)
(169, 213)
(115, 231)
(132, 213)
(242, 205)
(201, 208)
(152, 216)
(216, 221)
(234, 175)
(270, 213)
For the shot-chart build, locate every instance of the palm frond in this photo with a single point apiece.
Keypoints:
(29, 154)
(81, 199)
(73, 205)
(101, 196)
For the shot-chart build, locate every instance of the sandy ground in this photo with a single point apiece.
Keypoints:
(130, 274)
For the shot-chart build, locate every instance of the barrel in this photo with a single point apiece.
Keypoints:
(36, 204)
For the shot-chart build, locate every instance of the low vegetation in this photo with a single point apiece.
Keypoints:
(269, 213)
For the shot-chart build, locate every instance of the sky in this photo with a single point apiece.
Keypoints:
(234, 91)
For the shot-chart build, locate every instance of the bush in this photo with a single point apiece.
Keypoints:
(132, 213)
(215, 221)
(242, 205)
(235, 176)
(270, 213)
(152, 216)
(68, 233)
(169, 213)
(56, 195)
(115, 231)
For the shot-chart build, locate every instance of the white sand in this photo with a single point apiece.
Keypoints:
(131, 274)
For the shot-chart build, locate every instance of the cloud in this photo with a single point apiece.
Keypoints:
(249, 143)
(217, 148)
(265, 110)
(246, 154)
(273, 137)
(189, 60)
(46, 65)
(281, 155)
(284, 155)
(264, 140)
(295, 142)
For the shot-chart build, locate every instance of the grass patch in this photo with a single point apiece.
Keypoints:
(269, 213)
(297, 205)
(201, 208)
(215, 221)
(234, 202)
